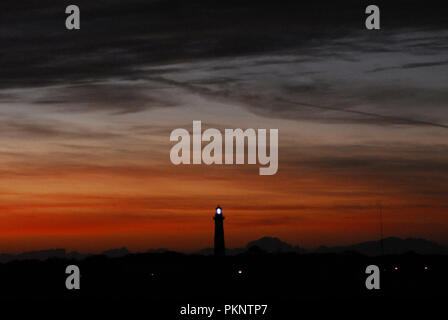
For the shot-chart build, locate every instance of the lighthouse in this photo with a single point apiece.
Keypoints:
(220, 248)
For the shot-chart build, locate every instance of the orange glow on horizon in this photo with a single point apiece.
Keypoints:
(172, 207)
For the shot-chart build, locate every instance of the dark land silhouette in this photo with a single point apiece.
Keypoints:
(267, 269)
(289, 280)
(264, 245)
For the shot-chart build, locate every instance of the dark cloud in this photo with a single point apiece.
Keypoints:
(117, 98)
(368, 117)
(413, 66)
(336, 108)
(21, 128)
(120, 43)
(410, 170)
(117, 37)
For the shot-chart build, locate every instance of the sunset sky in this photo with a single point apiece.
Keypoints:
(86, 116)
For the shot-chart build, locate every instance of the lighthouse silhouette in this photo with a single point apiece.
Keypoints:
(220, 248)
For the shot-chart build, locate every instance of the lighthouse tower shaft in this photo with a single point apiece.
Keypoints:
(220, 249)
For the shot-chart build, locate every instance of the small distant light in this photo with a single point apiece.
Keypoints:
(426, 267)
(396, 268)
(240, 271)
(218, 210)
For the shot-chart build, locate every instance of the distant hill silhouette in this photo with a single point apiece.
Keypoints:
(161, 250)
(229, 251)
(34, 255)
(115, 253)
(274, 245)
(392, 245)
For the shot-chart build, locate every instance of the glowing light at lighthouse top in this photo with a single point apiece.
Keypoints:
(218, 210)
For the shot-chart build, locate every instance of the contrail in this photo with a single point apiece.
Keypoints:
(369, 114)
(208, 92)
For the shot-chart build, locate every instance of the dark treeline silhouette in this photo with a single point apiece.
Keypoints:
(289, 282)
(160, 283)
(255, 273)
(392, 245)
